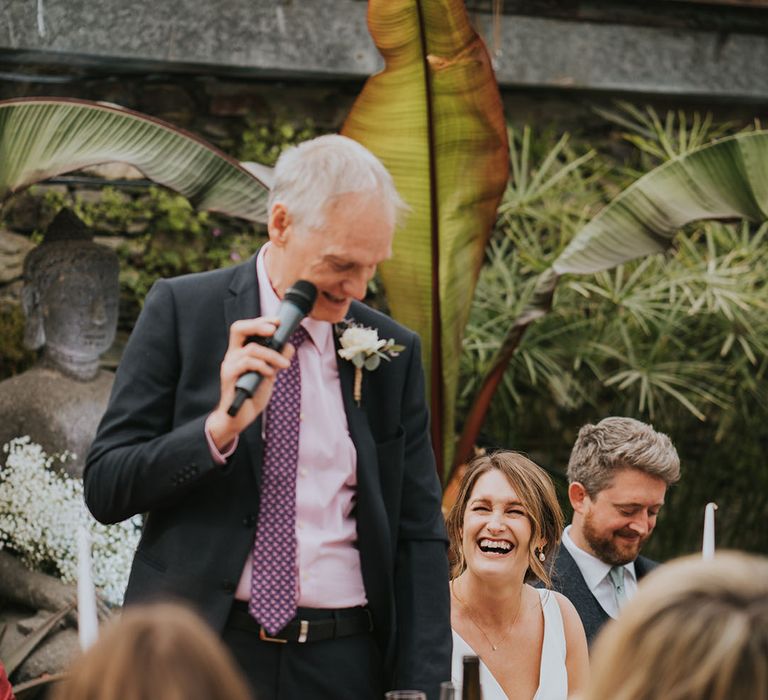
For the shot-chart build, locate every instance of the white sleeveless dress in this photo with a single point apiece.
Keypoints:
(553, 676)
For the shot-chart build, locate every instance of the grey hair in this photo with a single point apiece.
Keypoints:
(313, 173)
(617, 443)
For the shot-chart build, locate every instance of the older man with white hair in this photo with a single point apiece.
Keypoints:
(307, 527)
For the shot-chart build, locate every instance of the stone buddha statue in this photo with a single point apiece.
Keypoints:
(70, 299)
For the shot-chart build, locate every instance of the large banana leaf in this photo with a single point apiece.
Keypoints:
(42, 137)
(434, 117)
(724, 180)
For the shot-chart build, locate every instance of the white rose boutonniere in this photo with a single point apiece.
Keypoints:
(365, 350)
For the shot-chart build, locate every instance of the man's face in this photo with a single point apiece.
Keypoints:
(339, 257)
(616, 523)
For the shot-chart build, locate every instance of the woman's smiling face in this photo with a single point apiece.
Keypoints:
(496, 531)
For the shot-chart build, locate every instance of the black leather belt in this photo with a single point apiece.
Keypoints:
(309, 625)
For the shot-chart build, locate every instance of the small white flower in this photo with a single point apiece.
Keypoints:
(358, 342)
(364, 349)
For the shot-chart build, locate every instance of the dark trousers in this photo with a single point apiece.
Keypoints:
(347, 668)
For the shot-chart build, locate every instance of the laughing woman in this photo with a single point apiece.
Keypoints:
(505, 528)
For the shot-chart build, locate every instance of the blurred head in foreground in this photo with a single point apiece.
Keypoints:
(155, 651)
(697, 630)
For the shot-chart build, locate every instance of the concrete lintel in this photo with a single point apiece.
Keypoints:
(269, 37)
(328, 39)
(650, 60)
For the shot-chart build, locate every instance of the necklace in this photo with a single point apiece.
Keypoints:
(472, 619)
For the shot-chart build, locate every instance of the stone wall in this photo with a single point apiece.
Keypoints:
(657, 46)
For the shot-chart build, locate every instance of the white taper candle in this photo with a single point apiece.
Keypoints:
(708, 544)
(87, 618)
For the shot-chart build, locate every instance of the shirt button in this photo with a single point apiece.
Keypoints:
(301, 416)
(303, 472)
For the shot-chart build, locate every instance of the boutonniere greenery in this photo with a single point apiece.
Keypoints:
(365, 350)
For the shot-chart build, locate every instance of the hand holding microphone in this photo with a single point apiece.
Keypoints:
(297, 303)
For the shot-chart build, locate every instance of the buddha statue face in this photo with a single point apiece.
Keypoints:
(70, 298)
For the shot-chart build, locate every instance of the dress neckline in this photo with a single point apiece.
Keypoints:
(499, 689)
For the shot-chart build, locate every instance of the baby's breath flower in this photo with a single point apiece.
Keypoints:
(41, 509)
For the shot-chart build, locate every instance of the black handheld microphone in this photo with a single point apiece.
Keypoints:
(296, 304)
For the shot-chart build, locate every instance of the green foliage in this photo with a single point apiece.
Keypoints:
(679, 340)
(660, 140)
(161, 235)
(263, 143)
(14, 357)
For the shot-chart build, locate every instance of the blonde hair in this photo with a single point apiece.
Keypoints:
(617, 443)
(696, 630)
(155, 651)
(536, 492)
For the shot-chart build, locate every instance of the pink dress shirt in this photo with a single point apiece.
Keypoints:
(329, 572)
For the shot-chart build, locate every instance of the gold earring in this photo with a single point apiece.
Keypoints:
(539, 552)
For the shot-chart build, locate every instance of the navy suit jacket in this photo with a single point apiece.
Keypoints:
(568, 580)
(151, 456)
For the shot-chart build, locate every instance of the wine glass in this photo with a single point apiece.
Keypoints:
(447, 691)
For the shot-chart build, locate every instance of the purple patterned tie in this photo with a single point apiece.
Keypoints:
(273, 580)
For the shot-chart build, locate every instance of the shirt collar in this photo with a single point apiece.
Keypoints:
(320, 332)
(592, 569)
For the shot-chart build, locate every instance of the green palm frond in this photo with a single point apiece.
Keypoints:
(674, 135)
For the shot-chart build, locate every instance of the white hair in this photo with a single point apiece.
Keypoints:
(310, 175)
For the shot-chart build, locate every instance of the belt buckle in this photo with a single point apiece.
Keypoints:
(303, 631)
(264, 637)
(303, 634)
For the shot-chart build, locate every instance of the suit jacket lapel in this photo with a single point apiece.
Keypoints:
(357, 420)
(242, 301)
(644, 566)
(370, 512)
(571, 581)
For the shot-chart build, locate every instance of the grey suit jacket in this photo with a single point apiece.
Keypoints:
(151, 456)
(568, 580)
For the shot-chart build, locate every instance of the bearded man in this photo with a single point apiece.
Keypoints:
(618, 475)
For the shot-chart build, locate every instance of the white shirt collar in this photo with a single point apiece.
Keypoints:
(592, 569)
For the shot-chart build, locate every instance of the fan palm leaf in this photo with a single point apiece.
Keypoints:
(725, 180)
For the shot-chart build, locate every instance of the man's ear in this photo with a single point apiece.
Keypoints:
(278, 224)
(578, 496)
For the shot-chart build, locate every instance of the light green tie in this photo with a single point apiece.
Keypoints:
(616, 575)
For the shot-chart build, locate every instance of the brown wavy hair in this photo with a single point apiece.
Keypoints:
(536, 492)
